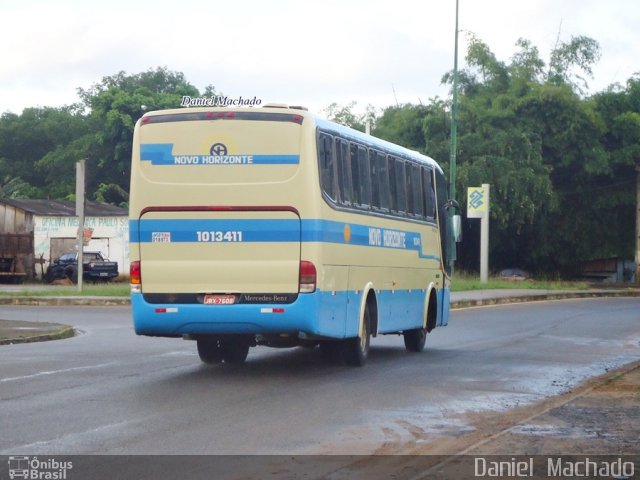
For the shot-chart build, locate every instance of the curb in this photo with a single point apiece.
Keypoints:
(66, 301)
(65, 332)
(541, 297)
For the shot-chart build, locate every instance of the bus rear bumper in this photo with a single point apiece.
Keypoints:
(177, 320)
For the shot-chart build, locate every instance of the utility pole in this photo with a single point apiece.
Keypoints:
(454, 132)
(454, 115)
(80, 176)
(484, 238)
(638, 224)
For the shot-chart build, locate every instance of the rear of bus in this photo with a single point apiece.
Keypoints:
(217, 197)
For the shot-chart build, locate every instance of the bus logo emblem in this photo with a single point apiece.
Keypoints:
(19, 467)
(218, 149)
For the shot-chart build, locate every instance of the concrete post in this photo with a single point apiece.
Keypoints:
(484, 239)
(638, 224)
(80, 176)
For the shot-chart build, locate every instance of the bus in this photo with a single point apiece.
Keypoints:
(271, 226)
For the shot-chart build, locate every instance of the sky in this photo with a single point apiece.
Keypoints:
(378, 52)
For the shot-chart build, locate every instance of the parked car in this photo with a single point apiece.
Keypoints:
(94, 268)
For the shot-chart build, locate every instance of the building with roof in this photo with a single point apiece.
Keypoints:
(52, 226)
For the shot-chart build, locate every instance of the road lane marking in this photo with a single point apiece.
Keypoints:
(54, 372)
(87, 367)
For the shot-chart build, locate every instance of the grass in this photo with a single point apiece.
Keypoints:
(463, 281)
(88, 290)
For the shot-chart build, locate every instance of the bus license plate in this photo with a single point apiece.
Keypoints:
(219, 299)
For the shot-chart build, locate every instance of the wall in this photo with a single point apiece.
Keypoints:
(110, 236)
(15, 220)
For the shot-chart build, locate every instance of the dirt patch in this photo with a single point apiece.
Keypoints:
(600, 417)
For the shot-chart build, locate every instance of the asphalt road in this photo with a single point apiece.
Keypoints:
(108, 391)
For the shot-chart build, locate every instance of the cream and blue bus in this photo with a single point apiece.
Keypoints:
(271, 226)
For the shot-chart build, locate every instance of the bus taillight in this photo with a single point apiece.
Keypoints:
(308, 277)
(135, 277)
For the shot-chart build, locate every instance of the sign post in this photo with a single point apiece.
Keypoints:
(478, 207)
(80, 176)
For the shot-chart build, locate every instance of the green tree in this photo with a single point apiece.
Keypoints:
(345, 115)
(620, 110)
(524, 128)
(571, 60)
(40, 147)
(12, 187)
(403, 125)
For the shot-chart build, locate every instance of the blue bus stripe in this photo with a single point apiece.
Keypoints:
(162, 154)
(277, 230)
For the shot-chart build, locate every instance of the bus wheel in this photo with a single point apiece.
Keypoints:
(415, 339)
(209, 350)
(234, 350)
(356, 349)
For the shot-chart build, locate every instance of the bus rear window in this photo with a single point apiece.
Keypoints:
(184, 148)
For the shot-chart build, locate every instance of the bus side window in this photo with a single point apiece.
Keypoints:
(375, 178)
(401, 188)
(393, 197)
(409, 183)
(342, 161)
(355, 176)
(383, 180)
(364, 182)
(427, 193)
(327, 165)
(416, 191)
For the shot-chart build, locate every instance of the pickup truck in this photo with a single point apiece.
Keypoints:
(94, 268)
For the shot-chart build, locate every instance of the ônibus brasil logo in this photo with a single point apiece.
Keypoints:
(36, 469)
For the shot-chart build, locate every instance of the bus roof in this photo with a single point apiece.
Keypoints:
(327, 125)
(375, 142)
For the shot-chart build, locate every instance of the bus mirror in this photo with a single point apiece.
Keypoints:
(451, 203)
(456, 221)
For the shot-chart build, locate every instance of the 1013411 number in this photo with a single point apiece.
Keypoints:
(219, 236)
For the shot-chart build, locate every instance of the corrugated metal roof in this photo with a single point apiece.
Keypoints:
(64, 208)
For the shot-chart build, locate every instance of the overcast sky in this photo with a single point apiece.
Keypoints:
(299, 52)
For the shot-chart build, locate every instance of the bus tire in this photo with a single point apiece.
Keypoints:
(356, 350)
(234, 349)
(209, 350)
(414, 340)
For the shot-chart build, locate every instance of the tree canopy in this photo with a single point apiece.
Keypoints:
(561, 165)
